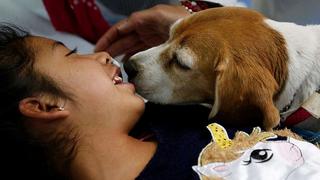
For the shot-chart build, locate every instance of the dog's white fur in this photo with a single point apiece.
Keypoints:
(303, 46)
(148, 60)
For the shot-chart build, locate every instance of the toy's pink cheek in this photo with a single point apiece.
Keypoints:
(290, 152)
(220, 168)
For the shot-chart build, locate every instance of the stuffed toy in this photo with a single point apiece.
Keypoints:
(275, 155)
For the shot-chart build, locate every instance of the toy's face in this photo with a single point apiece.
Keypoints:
(282, 159)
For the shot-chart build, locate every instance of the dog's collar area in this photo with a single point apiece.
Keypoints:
(296, 116)
(288, 106)
(195, 5)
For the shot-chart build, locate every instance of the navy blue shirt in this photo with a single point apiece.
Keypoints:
(181, 134)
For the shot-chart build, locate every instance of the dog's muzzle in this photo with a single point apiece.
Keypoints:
(130, 69)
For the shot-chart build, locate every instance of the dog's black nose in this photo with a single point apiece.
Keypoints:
(130, 69)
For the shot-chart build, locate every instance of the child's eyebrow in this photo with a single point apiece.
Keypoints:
(57, 43)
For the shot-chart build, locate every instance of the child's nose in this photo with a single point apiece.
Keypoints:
(104, 58)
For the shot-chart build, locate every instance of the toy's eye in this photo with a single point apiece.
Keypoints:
(259, 156)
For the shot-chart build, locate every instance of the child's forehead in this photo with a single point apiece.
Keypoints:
(40, 46)
(38, 41)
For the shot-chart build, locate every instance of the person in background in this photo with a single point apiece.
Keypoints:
(142, 30)
(134, 33)
(150, 27)
(88, 18)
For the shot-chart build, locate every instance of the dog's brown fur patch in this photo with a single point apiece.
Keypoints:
(239, 52)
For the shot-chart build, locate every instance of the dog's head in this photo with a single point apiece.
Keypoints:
(219, 56)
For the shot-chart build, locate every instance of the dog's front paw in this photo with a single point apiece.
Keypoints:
(271, 118)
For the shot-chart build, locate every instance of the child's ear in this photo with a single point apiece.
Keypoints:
(34, 108)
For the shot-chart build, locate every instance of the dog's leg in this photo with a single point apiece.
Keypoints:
(260, 91)
(271, 116)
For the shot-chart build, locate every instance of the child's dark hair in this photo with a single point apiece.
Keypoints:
(20, 154)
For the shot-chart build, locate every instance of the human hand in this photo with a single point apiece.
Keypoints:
(141, 30)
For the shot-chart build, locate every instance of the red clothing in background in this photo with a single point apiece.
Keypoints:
(81, 17)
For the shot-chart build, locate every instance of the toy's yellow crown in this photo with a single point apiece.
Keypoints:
(221, 138)
(219, 135)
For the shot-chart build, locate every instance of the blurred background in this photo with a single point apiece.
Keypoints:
(299, 11)
(32, 15)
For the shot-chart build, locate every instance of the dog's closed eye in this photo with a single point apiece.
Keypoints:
(183, 59)
(181, 64)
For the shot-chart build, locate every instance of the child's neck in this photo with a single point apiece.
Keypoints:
(114, 157)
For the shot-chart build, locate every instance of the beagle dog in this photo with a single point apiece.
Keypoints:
(248, 67)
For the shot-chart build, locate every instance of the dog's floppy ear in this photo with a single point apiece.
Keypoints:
(218, 70)
(241, 85)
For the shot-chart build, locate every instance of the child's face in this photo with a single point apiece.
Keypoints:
(90, 78)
